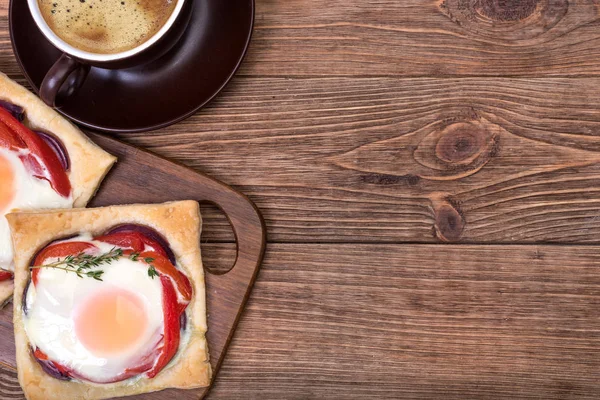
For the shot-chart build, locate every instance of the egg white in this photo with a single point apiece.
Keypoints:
(52, 306)
(30, 193)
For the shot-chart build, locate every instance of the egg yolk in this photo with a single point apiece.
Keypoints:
(110, 321)
(7, 183)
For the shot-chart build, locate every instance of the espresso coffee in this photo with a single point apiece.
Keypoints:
(106, 26)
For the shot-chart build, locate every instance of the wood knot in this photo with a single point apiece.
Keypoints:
(506, 10)
(460, 142)
(458, 149)
(449, 221)
(453, 148)
(506, 21)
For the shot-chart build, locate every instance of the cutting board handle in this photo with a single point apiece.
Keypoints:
(250, 234)
(246, 223)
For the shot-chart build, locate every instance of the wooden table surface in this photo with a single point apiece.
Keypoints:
(430, 176)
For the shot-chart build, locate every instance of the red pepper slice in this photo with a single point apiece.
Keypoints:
(5, 275)
(144, 365)
(61, 249)
(42, 162)
(170, 341)
(136, 241)
(124, 240)
(164, 267)
(132, 240)
(9, 140)
(40, 355)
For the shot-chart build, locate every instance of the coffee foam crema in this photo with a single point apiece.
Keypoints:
(106, 26)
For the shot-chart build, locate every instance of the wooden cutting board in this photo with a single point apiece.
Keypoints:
(142, 177)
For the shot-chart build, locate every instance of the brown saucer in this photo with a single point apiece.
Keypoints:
(156, 94)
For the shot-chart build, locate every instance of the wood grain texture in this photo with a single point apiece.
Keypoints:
(393, 160)
(425, 38)
(414, 38)
(419, 321)
(359, 126)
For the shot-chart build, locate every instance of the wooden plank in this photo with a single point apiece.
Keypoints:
(357, 159)
(419, 321)
(396, 160)
(425, 38)
(359, 321)
(9, 384)
(414, 38)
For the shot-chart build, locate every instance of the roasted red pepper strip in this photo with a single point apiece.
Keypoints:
(164, 267)
(40, 355)
(144, 365)
(5, 275)
(61, 249)
(170, 341)
(132, 240)
(42, 161)
(9, 140)
(124, 240)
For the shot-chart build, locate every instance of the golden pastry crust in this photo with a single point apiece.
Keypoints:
(180, 223)
(89, 163)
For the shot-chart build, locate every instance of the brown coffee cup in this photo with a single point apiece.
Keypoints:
(68, 73)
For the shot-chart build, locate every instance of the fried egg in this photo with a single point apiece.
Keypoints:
(97, 329)
(19, 190)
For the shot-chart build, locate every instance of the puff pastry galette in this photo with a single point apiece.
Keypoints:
(45, 162)
(109, 301)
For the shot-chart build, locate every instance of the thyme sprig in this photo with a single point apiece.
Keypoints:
(88, 265)
(85, 264)
(148, 260)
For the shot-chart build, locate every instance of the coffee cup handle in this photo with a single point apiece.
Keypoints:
(67, 72)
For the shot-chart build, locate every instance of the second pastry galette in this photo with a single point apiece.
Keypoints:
(109, 301)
